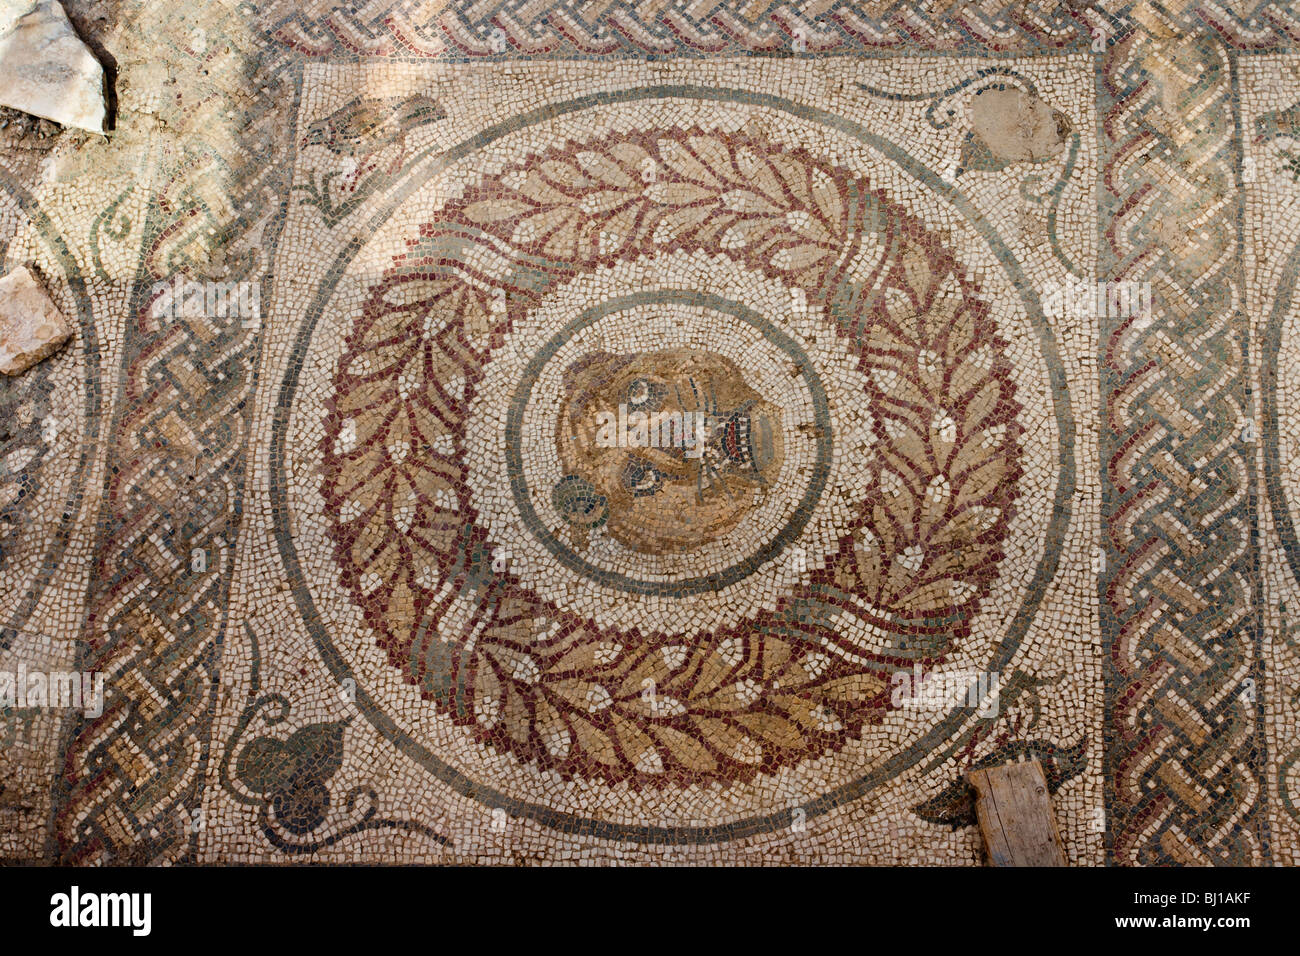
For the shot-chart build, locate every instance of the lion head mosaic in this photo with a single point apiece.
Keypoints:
(668, 449)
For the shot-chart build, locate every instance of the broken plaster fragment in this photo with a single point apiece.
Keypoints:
(45, 68)
(31, 326)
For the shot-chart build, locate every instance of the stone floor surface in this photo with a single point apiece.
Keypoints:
(656, 431)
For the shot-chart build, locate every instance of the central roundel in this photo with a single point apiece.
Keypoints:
(684, 457)
(668, 449)
(653, 457)
(662, 442)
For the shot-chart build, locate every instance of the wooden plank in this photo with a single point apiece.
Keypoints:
(1015, 815)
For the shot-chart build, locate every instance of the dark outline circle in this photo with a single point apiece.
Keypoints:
(900, 760)
(687, 586)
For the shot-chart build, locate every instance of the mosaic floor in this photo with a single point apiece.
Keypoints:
(660, 431)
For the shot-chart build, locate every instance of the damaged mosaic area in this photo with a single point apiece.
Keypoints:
(646, 433)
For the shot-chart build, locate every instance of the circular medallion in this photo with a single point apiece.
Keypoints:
(686, 455)
(652, 457)
(707, 451)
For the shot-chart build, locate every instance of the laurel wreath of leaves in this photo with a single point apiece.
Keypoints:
(549, 686)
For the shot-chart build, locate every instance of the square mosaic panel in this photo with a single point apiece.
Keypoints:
(550, 638)
(692, 433)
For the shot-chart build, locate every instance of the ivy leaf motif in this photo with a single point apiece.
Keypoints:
(311, 755)
(319, 748)
(263, 764)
